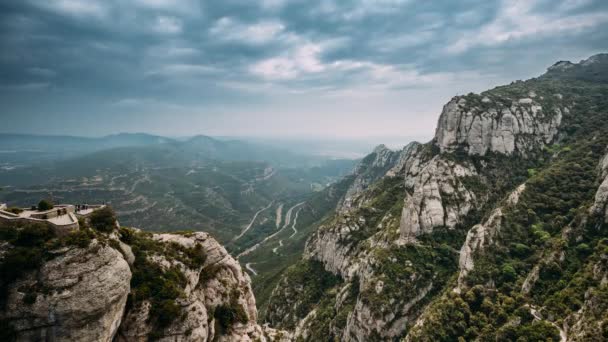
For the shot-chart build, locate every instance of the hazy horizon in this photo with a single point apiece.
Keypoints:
(340, 147)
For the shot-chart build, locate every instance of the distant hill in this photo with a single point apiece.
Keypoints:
(49, 143)
(33, 149)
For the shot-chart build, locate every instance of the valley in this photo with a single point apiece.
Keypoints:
(238, 202)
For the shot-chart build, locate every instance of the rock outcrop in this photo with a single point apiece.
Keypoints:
(600, 205)
(469, 224)
(370, 169)
(489, 125)
(83, 297)
(481, 236)
(80, 293)
(219, 281)
(438, 197)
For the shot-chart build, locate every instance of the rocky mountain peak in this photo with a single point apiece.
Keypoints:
(478, 125)
(592, 69)
(380, 148)
(599, 58)
(561, 65)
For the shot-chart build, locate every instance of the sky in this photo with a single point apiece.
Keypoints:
(272, 68)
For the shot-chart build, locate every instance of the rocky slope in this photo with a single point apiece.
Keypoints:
(495, 229)
(124, 285)
(79, 289)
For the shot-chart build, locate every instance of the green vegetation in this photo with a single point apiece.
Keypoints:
(104, 219)
(406, 271)
(45, 205)
(317, 211)
(14, 210)
(227, 315)
(308, 294)
(154, 283)
(307, 284)
(548, 228)
(31, 245)
(481, 314)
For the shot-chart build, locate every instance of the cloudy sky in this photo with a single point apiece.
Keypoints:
(281, 68)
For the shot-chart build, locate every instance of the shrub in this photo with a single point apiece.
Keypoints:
(103, 220)
(150, 281)
(165, 312)
(520, 250)
(583, 249)
(80, 238)
(29, 253)
(34, 235)
(45, 205)
(227, 315)
(14, 210)
(508, 272)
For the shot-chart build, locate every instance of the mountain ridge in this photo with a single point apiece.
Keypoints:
(417, 267)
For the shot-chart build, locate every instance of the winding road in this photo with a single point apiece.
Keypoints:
(274, 250)
(254, 247)
(293, 226)
(288, 215)
(252, 221)
(250, 269)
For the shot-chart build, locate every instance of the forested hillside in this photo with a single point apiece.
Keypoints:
(494, 230)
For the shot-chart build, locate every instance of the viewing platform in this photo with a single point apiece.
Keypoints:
(62, 217)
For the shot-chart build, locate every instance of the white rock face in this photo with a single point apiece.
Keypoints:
(585, 324)
(87, 292)
(520, 128)
(370, 169)
(328, 245)
(362, 324)
(228, 280)
(404, 157)
(82, 295)
(428, 206)
(600, 206)
(481, 236)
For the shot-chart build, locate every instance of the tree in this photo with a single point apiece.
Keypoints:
(103, 219)
(45, 205)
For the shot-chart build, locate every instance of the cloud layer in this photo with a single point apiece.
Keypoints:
(273, 67)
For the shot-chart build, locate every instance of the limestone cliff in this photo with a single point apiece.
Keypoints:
(461, 236)
(492, 124)
(370, 169)
(79, 295)
(126, 285)
(600, 205)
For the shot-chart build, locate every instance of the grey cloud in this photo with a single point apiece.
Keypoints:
(198, 56)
